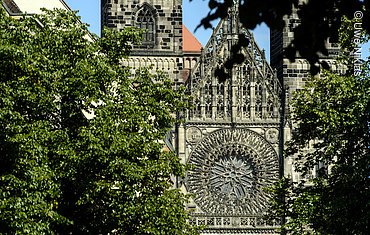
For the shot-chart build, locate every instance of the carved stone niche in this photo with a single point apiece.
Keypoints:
(230, 169)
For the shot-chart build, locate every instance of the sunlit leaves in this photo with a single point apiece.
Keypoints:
(331, 135)
(62, 172)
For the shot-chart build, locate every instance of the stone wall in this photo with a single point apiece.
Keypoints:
(294, 73)
(164, 46)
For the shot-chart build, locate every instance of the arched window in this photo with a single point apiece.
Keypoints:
(145, 20)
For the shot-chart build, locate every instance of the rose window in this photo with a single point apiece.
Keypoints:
(232, 177)
(229, 170)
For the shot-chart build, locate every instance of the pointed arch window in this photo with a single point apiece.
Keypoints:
(145, 20)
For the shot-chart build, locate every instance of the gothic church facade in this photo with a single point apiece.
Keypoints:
(234, 133)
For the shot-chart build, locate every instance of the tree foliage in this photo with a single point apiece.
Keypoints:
(80, 139)
(333, 136)
(319, 21)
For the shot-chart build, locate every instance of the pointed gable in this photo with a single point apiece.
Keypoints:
(251, 92)
(189, 41)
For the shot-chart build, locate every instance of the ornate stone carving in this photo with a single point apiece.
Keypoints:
(230, 169)
(231, 177)
(272, 135)
(241, 222)
(251, 92)
(193, 134)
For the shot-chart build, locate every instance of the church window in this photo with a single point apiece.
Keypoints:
(208, 98)
(220, 100)
(244, 108)
(258, 96)
(270, 107)
(145, 20)
(197, 108)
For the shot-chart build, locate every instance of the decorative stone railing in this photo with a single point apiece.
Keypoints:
(234, 222)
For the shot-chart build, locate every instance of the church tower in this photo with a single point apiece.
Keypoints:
(294, 75)
(162, 39)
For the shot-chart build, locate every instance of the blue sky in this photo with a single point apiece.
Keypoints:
(193, 12)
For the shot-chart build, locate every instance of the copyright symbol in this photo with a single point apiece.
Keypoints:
(358, 15)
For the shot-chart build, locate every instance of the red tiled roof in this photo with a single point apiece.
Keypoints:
(189, 42)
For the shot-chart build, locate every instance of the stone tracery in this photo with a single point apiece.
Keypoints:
(251, 91)
(230, 169)
(145, 20)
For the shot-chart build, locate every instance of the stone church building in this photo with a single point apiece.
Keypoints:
(231, 136)
(234, 134)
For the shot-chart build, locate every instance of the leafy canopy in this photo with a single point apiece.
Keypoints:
(330, 141)
(81, 147)
(332, 137)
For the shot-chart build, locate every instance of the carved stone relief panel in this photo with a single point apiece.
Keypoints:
(272, 135)
(230, 169)
(193, 134)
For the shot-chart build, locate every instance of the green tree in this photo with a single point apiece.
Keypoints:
(332, 117)
(81, 147)
(332, 136)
